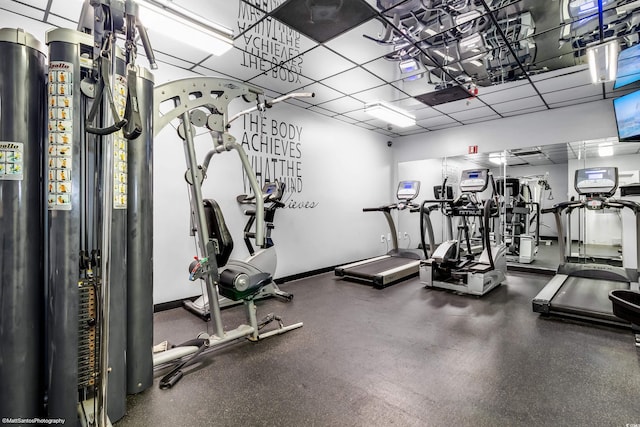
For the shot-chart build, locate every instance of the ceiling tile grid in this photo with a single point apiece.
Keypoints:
(360, 50)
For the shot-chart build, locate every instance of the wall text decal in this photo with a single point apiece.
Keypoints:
(275, 150)
(270, 46)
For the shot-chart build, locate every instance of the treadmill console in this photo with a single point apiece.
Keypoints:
(408, 190)
(601, 181)
(474, 180)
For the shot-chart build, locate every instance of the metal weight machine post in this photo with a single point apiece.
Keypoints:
(94, 112)
(187, 100)
(22, 239)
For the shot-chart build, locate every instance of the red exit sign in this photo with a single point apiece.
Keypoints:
(473, 149)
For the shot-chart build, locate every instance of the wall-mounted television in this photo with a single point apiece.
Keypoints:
(628, 66)
(627, 111)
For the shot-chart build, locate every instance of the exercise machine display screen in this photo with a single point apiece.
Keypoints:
(408, 190)
(474, 180)
(596, 181)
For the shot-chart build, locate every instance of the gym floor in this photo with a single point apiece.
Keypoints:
(403, 356)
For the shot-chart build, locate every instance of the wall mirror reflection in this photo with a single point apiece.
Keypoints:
(531, 180)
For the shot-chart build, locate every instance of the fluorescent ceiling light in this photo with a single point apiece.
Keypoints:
(603, 61)
(472, 43)
(467, 17)
(605, 149)
(180, 24)
(442, 55)
(430, 31)
(390, 114)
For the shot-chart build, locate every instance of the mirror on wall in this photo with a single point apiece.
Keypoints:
(544, 177)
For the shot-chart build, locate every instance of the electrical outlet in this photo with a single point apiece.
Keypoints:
(382, 238)
(406, 235)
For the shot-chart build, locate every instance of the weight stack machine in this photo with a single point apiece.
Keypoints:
(22, 133)
(88, 183)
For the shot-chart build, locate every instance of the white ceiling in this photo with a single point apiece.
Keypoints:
(349, 70)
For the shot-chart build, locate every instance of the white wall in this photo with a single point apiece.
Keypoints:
(568, 124)
(342, 169)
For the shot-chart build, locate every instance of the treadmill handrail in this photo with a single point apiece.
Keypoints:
(385, 208)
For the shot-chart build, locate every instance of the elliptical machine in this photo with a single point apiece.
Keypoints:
(264, 260)
(454, 264)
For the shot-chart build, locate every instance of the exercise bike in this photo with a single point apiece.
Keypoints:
(263, 260)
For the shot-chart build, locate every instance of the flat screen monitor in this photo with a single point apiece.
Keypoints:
(628, 66)
(627, 111)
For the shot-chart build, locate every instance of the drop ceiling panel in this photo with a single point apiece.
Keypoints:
(162, 58)
(56, 20)
(574, 93)
(492, 116)
(354, 46)
(354, 65)
(576, 101)
(39, 4)
(390, 70)
(472, 113)
(345, 119)
(579, 78)
(300, 102)
(66, 8)
(352, 81)
(325, 20)
(522, 91)
(432, 122)
(414, 87)
(320, 63)
(525, 110)
(342, 105)
(21, 9)
(238, 63)
(168, 45)
(445, 126)
(281, 80)
(518, 105)
(366, 125)
(234, 15)
(385, 92)
(323, 93)
(425, 113)
(35, 27)
(459, 106)
(322, 111)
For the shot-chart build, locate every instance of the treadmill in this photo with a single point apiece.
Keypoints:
(397, 264)
(581, 290)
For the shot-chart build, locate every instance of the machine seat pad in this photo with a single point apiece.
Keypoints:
(218, 230)
(239, 285)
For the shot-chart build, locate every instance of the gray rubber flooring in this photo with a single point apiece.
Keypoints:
(402, 356)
